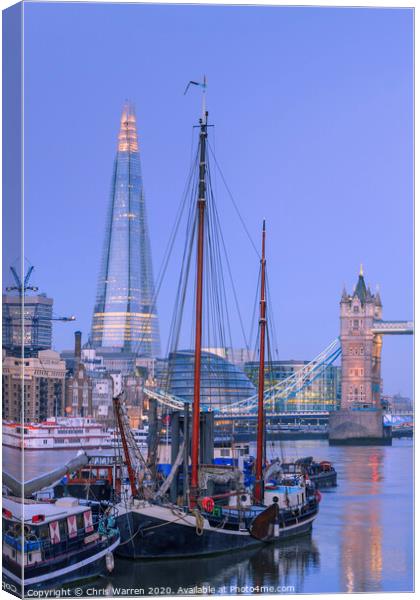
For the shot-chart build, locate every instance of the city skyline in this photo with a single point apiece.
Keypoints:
(311, 147)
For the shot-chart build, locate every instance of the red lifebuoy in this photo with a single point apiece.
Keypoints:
(318, 496)
(208, 504)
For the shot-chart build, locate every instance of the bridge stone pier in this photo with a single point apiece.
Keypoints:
(360, 419)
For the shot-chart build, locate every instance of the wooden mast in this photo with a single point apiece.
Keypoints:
(201, 204)
(259, 483)
(131, 474)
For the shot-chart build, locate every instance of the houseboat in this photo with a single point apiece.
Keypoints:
(54, 542)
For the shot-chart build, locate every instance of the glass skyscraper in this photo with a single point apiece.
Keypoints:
(125, 316)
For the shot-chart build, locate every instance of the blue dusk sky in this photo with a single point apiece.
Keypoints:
(313, 109)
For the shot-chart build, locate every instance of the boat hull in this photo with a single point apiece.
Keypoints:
(148, 537)
(64, 569)
(324, 480)
(145, 535)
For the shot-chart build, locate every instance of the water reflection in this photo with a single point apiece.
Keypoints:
(362, 539)
(361, 550)
(287, 564)
(272, 565)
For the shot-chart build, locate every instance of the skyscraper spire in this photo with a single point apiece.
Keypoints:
(127, 138)
(125, 315)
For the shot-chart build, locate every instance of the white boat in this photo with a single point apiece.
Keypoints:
(57, 433)
(139, 435)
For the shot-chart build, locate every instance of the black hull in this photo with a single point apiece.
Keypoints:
(81, 566)
(324, 481)
(91, 571)
(146, 537)
(157, 539)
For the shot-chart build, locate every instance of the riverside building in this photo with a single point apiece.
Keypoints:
(323, 394)
(37, 381)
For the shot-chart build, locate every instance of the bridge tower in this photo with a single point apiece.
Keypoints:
(360, 418)
(361, 347)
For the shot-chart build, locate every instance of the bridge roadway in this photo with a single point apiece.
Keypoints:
(287, 417)
(309, 416)
(393, 327)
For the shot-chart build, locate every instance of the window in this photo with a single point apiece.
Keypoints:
(80, 522)
(63, 530)
(43, 533)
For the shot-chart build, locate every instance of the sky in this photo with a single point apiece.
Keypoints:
(313, 115)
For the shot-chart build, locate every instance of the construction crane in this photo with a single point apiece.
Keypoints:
(22, 287)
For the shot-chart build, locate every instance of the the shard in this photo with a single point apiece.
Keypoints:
(125, 316)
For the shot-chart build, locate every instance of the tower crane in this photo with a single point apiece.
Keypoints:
(22, 287)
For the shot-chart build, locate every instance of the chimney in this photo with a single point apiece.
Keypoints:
(77, 345)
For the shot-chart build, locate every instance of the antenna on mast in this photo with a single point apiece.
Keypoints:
(204, 87)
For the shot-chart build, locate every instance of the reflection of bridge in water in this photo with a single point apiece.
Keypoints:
(359, 345)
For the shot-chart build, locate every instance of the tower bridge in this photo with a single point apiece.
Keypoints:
(393, 327)
(360, 348)
(361, 332)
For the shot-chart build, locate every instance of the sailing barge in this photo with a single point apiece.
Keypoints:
(150, 526)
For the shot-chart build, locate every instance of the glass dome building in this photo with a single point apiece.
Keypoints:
(222, 382)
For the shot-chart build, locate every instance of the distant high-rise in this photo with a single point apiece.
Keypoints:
(27, 317)
(125, 315)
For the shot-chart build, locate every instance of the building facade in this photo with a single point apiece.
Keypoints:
(38, 382)
(398, 404)
(361, 347)
(323, 394)
(125, 316)
(27, 324)
(79, 389)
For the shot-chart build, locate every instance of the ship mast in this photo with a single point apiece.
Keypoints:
(131, 474)
(201, 204)
(259, 484)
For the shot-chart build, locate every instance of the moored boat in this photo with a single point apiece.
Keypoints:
(57, 433)
(205, 523)
(54, 542)
(321, 473)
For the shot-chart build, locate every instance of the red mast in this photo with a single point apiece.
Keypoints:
(201, 204)
(259, 483)
(131, 474)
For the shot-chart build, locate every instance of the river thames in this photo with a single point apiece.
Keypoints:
(362, 539)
